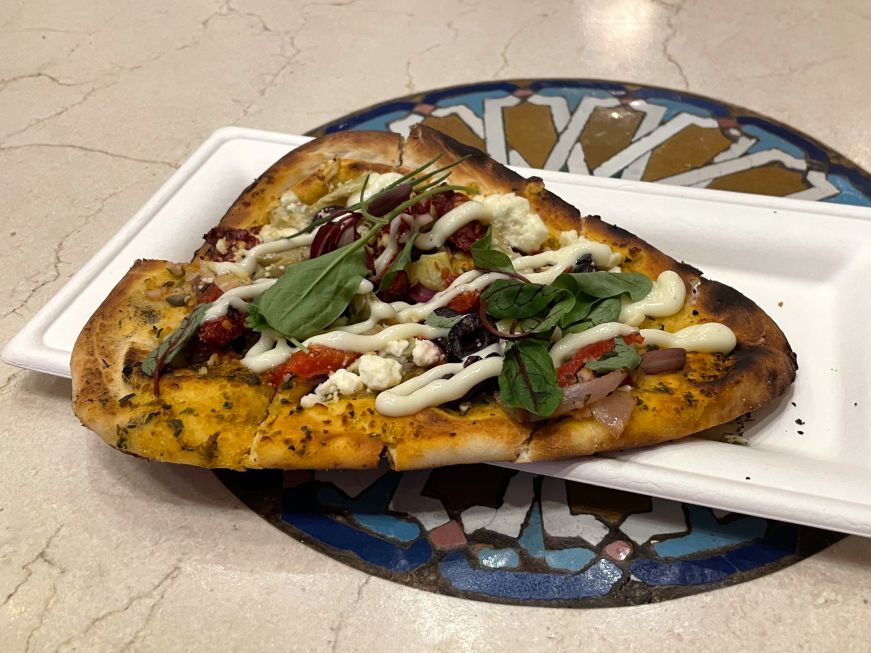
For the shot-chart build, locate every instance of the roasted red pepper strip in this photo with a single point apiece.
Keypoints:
(317, 361)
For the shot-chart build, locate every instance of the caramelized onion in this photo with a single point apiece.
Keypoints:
(664, 360)
(389, 200)
(614, 410)
(420, 293)
(587, 392)
(335, 234)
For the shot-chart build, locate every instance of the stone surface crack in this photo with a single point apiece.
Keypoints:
(93, 150)
(503, 54)
(55, 273)
(39, 121)
(343, 618)
(43, 552)
(43, 555)
(158, 591)
(672, 11)
(4, 388)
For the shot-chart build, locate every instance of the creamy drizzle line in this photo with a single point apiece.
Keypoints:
(269, 351)
(665, 298)
(556, 262)
(452, 221)
(429, 389)
(235, 298)
(248, 265)
(710, 338)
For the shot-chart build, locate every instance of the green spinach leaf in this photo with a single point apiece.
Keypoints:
(163, 354)
(487, 258)
(528, 378)
(312, 294)
(512, 299)
(604, 310)
(613, 284)
(443, 321)
(622, 357)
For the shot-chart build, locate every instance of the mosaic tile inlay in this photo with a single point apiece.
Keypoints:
(488, 533)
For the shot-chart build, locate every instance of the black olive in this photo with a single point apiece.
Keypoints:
(584, 264)
(466, 337)
(471, 359)
(446, 311)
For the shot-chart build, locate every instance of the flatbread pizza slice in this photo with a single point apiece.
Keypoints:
(373, 297)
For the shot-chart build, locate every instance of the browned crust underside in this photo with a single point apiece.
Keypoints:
(273, 431)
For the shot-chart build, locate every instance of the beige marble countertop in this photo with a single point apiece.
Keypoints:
(101, 100)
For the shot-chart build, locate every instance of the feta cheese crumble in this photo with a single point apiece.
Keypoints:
(340, 382)
(514, 223)
(425, 353)
(379, 373)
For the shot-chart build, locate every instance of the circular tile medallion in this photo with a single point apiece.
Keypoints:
(493, 534)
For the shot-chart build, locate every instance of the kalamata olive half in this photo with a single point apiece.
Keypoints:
(467, 337)
(389, 200)
(584, 264)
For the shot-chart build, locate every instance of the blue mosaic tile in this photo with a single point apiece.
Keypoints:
(708, 534)
(498, 558)
(573, 559)
(596, 581)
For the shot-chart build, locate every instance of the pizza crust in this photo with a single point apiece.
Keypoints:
(229, 417)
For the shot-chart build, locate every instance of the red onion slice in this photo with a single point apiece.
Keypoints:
(389, 200)
(614, 410)
(587, 392)
(663, 360)
(421, 293)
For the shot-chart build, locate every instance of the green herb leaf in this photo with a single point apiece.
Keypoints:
(400, 262)
(622, 357)
(604, 310)
(556, 315)
(528, 378)
(312, 294)
(613, 284)
(487, 258)
(163, 354)
(512, 299)
(443, 321)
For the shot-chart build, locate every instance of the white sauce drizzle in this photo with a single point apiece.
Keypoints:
(248, 265)
(665, 298)
(386, 257)
(568, 346)
(269, 351)
(429, 389)
(377, 341)
(451, 221)
(375, 184)
(235, 298)
(710, 338)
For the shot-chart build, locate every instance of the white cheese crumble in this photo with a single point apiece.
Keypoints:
(425, 353)
(376, 183)
(379, 373)
(514, 223)
(396, 348)
(340, 382)
(567, 238)
(221, 246)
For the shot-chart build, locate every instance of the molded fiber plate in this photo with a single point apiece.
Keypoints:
(805, 263)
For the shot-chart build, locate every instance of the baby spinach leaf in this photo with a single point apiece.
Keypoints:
(443, 321)
(512, 299)
(400, 262)
(556, 314)
(604, 310)
(487, 258)
(528, 378)
(622, 357)
(613, 284)
(163, 354)
(312, 294)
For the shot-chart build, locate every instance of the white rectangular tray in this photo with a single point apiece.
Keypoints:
(806, 263)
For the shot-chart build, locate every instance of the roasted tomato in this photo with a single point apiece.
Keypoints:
(217, 334)
(463, 237)
(566, 374)
(397, 290)
(466, 302)
(439, 204)
(208, 293)
(317, 361)
(231, 240)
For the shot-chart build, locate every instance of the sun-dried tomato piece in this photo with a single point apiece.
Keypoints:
(233, 239)
(566, 374)
(465, 302)
(439, 204)
(317, 361)
(463, 237)
(219, 333)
